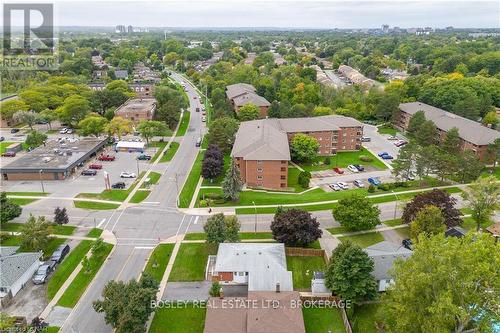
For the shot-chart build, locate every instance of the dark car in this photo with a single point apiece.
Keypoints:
(89, 172)
(119, 185)
(9, 154)
(60, 253)
(2, 138)
(43, 272)
(387, 157)
(144, 157)
(359, 167)
(14, 130)
(407, 243)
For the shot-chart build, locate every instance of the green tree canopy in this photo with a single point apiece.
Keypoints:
(10, 210)
(356, 213)
(151, 128)
(303, 148)
(232, 183)
(483, 199)
(429, 221)
(248, 112)
(92, 125)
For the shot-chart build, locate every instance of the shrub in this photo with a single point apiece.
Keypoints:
(304, 179)
(371, 188)
(365, 158)
(384, 187)
(203, 203)
(215, 289)
(328, 160)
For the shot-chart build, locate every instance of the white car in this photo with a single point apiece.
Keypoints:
(127, 175)
(352, 168)
(203, 119)
(335, 187)
(343, 185)
(69, 131)
(63, 130)
(359, 183)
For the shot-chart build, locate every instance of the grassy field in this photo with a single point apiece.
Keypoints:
(68, 265)
(95, 233)
(113, 195)
(56, 229)
(21, 201)
(190, 262)
(343, 159)
(191, 182)
(218, 181)
(139, 196)
(158, 261)
(322, 320)
(181, 319)
(95, 205)
(293, 177)
(363, 319)
(169, 154)
(393, 223)
(52, 329)
(243, 235)
(387, 129)
(302, 269)
(28, 194)
(470, 224)
(364, 240)
(76, 289)
(183, 126)
(404, 232)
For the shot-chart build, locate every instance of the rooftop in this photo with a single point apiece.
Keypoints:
(14, 265)
(383, 255)
(136, 105)
(238, 89)
(469, 130)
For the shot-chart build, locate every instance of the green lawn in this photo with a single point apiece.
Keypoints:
(28, 194)
(95, 205)
(21, 201)
(393, 223)
(243, 235)
(404, 232)
(113, 195)
(51, 246)
(191, 182)
(323, 320)
(8, 240)
(470, 224)
(302, 269)
(387, 129)
(56, 229)
(4, 145)
(76, 289)
(293, 178)
(218, 181)
(158, 261)
(68, 265)
(180, 319)
(159, 147)
(343, 159)
(139, 196)
(183, 126)
(190, 262)
(169, 154)
(95, 233)
(363, 320)
(52, 329)
(364, 240)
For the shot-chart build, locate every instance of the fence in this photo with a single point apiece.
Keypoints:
(303, 252)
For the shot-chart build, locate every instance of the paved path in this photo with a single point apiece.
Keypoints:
(328, 242)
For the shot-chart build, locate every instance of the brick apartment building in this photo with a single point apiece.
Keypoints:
(242, 93)
(261, 149)
(137, 110)
(473, 135)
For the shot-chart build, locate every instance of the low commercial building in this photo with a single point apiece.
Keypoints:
(262, 152)
(474, 136)
(241, 94)
(137, 110)
(16, 269)
(57, 160)
(130, 146)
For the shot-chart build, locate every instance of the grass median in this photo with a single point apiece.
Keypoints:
(158, 261)
(192, 180)
(140, 196)
(95, 233)
(66, 230)
(95, 205)
(183, 126)
(169, 154)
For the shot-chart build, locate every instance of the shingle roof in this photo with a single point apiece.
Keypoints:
(383, 255)
(13, 266)
(250, 97)
(121, 73)
(238, 89)
(469, 130)
(8, 250)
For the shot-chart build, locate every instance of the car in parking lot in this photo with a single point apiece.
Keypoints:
(195, 97)
(14, 130)
(9, 154)
(400, 143)
(89, 172)
(359, 167)
(95, 166)
(407, 243)
(359, 183)
(69, 131)
(352, 168)
(335, 187)
(144, 157)
(118, 185)
(43, 271)
(387, 157)
(338, 170)
(203, 119)
(2, 138)
(343, 185)
(366, 139)
(392, 137)
(125, 174)
(374, 181)
(382, 154)
(103, 157)
(63, 130)
(60, 253)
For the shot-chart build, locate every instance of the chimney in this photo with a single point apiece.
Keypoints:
(277, 287)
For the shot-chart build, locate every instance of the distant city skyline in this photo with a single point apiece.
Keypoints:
(279, 14)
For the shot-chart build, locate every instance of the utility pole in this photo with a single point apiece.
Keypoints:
(255, 209)
(41, 180)
(395, 204)
(177, 189)
(137, 162)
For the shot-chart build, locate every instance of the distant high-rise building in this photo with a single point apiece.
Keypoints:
(130, 29)
(120, 29)
(385, 28)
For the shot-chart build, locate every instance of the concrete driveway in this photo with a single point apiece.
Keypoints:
(29, 302)
(379, 142)
(187, 291)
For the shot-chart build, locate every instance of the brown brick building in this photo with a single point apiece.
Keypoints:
(261, 149)
(137, 110)
(241, 94)
(474, 136)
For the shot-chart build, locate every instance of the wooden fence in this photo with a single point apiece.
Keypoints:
(303, 252)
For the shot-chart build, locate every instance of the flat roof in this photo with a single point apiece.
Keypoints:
(55, 156)
(137, 105)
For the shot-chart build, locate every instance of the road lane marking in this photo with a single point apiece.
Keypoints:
(118, 219)
(189, 224)
(196, 219)
(144, 247)
(100, 223)
(125, 264)
(180, 225)
(150, 203)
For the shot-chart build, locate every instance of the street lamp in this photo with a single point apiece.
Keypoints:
(41, 180)
(395, 203)
(137, 162)
(255, 209)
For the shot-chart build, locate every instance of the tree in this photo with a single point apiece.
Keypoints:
(215, 289)
(469, 167)
(427, 134)
(127, 306)
(61, 216)
(451, 142)
(482, 198)
(119, 126)
(10, 210)
(295, 227)
(35, 139)
(447, 285)
(428, 221)
(87, 268)
(74, 109)
(356, 213)
(438, 198)
(98, 247)
(248, 112)
(93, 125)
(151, 128)
(232, 183)
(304, 148)
(387, 106)
(47, 116)
(11, 106)
(27, 117)
(220, 229)
(222, 132)
(304, 178)
(490, 119)
(349, 273)
(494, 151)
(35, 233)
(407, 158)
(232, 228)
(213, 163)
(415, 123)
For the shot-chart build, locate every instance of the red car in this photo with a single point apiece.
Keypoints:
(106, 158)
(9, 154)
(95, 166)
(338, 170)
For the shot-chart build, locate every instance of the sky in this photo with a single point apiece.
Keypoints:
(324, 14)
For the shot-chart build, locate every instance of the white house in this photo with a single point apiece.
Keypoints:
(16, 269)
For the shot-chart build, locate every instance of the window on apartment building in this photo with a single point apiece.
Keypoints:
(283, 177)
(259, 162)
(259, 177)
(283, 169)
(282, 185)
(344, 134)
(320, 139)
(327, 145)
(260, 169)
(283, 162)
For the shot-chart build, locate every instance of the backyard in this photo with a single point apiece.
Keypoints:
(322, 320)
(363, 319)
(302, 269)
(190, 262)
(183, 318)
(364, 240)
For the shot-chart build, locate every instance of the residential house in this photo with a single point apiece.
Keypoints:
(384, 254)
(241, 94)
(261, 148)
(356, 77)
(16, 269)
(473, 135)
(121, 74)
(455, 232)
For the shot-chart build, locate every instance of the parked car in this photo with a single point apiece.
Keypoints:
(366, 139)
(60, 253)
(69, 131)
(144, 157)
(95, 166)
(2, 138)
(359, 167)
(359, 183)
(352, 168)
(382, 154)
(204, 113)
(410, 176)
(43, 271)
(203, 119)
(63, 130)
(119, 185)
(125, 174)
(335, 187)
(374, 181)
(407, 243)
(387, 157)
(400, 143)
(392, 137)
(197, 109)
(9, 154)
(103, 157)
(89, 172)
(198, 142)
(343, 185)
(14, 130)
(338, 170)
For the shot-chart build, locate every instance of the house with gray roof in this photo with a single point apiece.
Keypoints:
(474, 136)
(121, 74)
(384, 254)
(240, 94)
(16, 269)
